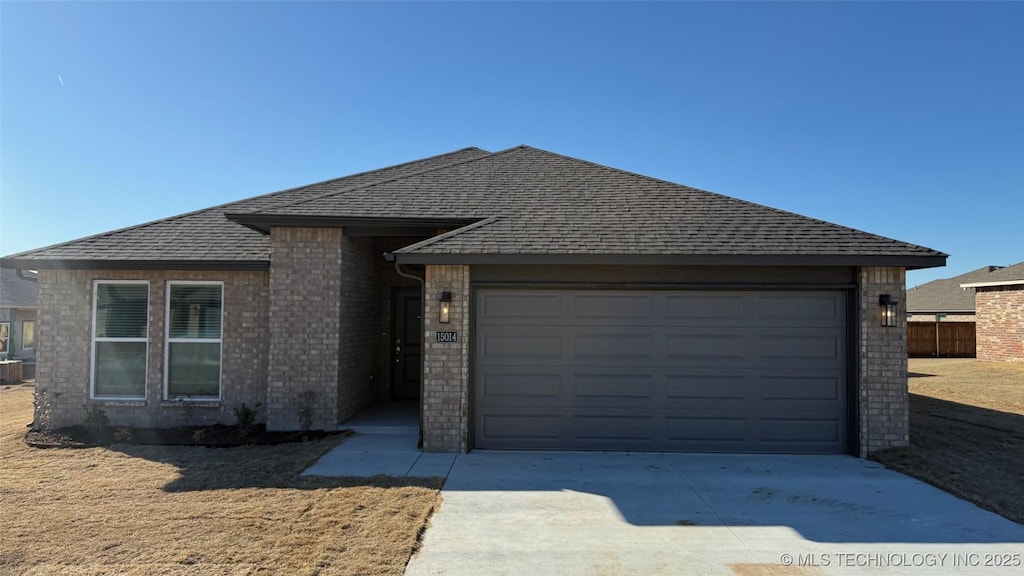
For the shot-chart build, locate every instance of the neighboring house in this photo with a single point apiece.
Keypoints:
(944, 300)
(999, 304)
(19, 293)
(526, 299)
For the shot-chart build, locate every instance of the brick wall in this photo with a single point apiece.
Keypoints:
(446, 365)
(64, 347)
(360, 317)
(882, 373)
(1000, 329)
(305, 311)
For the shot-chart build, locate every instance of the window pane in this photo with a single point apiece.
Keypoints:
(5, 331)
(121, 310)
(120, 369)
(28, 334)
(195, 311)
(193, 369)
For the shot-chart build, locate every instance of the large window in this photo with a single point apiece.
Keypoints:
(28, 334)
(193, 340)
(120, 322)
(5, 338)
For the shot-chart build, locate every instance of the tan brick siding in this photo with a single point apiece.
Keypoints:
(882, 373)
(446, 365)
(64, 348)
(360, 317)
(1000, 330)
(305, 311)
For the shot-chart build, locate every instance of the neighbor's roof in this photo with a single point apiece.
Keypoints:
(521, 204)
(18, 292)
(946, 294)
(1008, 276)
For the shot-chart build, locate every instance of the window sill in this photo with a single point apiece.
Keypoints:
(114, 402)
(190, 403)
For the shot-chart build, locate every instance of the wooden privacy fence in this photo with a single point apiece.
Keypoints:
(941, 340)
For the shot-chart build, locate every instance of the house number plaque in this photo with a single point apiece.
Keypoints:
(447, 336)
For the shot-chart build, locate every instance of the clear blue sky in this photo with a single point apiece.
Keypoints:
(902, 119)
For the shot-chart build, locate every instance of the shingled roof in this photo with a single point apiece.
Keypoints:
(1007, 276)
(520, 204)
(18, 291)
(946, 294)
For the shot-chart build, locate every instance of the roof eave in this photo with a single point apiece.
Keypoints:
(100, 264)
(909, 262)
(991, 284)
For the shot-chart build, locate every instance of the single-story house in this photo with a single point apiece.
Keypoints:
(999, 305)
(528, 300)
(18, 301)
(943, 300)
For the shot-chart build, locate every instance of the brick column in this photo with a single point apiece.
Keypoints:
(63, 345)
(305, 312)
(882, 373)
(445, 401)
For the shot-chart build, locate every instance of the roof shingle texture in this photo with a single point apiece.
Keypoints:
(17, 292)
(207, 235)
(545, 203)
(534, 202)
(1008, 274)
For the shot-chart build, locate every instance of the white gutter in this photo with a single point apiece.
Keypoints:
(987, 284)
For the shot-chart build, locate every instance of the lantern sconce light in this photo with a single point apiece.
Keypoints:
(887, 306)
(446, 308)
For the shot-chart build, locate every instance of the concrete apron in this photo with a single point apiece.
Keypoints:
(536, 513)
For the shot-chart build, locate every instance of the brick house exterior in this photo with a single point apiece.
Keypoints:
(999, 302)
(313, 321)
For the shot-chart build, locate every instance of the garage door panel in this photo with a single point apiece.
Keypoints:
(702, 306)
(605, 306)
(612, 347)
(825, 310)
(664, 370)
(519, 307)
(525, 385)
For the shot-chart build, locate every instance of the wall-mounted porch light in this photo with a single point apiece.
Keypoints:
(446, 308)
(887, 306)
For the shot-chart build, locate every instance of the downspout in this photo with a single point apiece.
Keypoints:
(390, 257)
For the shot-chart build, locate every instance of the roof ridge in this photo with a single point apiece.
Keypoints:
(732, 198)
(226, 204)
(447, 235)
(388, 180)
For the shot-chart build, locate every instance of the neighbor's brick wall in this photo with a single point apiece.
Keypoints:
(64, 347)
(360, 315)
(882, 373)
(1000, 329)
(446, 366)
(305, 311)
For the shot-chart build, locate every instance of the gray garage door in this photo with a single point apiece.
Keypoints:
(724, 371)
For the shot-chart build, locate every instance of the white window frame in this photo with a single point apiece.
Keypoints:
(92, 365)
(168, 340)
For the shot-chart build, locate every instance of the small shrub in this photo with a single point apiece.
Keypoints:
(43, 421)
(122, 434)
(245, 417)
(98, 424)
(199, 435)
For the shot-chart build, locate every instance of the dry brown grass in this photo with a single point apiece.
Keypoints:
(967, 432)
(192, 510)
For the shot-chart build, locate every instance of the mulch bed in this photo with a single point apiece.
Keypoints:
(218, 436)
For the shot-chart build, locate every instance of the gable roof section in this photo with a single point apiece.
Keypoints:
(521, 204)
(18, 292)
(204, 238)
(545, 207)
(1008, 276)
(946, 294)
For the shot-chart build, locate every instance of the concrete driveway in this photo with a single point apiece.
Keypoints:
(606, 514)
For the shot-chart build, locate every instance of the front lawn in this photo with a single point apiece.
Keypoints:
(966, 431)
(133, 509)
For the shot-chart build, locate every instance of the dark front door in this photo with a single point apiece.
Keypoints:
(406, 343)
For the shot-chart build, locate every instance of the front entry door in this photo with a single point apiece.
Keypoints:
(406, 343)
